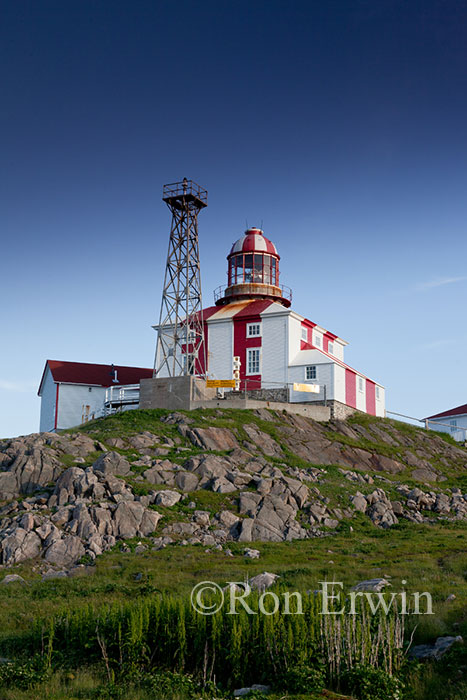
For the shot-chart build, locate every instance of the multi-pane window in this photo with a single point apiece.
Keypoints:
(253, 360)
(253, 267)
(304, 333)
(331, 348)
(377, 392)
(318, 341)
(310, 372)
(253, 329)
(360, 384)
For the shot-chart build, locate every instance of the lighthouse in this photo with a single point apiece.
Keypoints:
(282, 355)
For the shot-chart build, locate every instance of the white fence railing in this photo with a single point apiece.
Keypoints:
(457, 432)
(120, 398)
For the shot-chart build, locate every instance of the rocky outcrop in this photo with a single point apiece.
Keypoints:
(210, 438)
(63, 514)
(434, 651)
(28, 464)
(112, 463)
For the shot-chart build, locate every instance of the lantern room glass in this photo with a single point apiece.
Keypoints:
(253, 267)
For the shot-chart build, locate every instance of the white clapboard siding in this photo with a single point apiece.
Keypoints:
(274, 351)
(220, 349)
(48, 394)
(73, 403)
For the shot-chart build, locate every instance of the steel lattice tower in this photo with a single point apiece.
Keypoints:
(181, 350)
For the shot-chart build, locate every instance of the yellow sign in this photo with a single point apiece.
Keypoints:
(312, 388)
(220, 383)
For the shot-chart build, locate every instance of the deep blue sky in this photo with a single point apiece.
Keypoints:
(339, 125)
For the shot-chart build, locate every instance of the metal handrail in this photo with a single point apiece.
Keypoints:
(286, 291)
(121, 393)
(185, 187)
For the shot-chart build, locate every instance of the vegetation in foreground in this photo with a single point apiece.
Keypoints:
(55, 634)
(55, 623)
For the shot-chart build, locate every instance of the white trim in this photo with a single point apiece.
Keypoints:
(247, 372)
(254, 324)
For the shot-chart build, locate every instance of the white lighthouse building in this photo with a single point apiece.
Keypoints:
(282, 354)
(281, 357)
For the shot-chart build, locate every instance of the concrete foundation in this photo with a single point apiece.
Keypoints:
(318, 413)
(174, 393)
(189, 393)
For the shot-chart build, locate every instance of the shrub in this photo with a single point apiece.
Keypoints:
(368, 683)
(303, 678)
(23, 674)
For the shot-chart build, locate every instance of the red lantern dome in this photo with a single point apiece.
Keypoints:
(253, 271)
(254, 241)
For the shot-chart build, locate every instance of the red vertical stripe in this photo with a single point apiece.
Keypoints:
(350, 388)
(250, 314)
(241, 343)
(370, 397)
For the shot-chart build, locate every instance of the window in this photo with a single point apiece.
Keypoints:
(310, 372)
(453, 424)
(90, 388)
(248, 269)
(253, 329)
(318, 341)
(360, 383)
(253, 360)
(377, 392)
(259, 268)
(304, 333)
(331, 348)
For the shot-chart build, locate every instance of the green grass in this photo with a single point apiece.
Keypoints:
(430, 557)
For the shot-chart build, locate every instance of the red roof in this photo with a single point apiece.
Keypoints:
(93, 375)
(254, 241)
(459, 411)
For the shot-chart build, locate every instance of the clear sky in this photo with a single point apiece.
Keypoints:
(340, 126)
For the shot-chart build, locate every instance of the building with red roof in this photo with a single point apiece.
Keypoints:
(453, 421)
(75, 392)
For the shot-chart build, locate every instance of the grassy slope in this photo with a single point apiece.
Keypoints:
(430, 557)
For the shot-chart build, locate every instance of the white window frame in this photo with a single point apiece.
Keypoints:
(331, 348)
(318, 342)
(315, 372)
(377, 392)
(360, 384)
(250, 328)
(305, 334)
(248, 351)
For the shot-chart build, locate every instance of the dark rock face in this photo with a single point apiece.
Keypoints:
(212, 438)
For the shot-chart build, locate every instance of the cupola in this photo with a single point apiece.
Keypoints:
(253, 271)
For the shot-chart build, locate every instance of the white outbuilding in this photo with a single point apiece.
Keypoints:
(75, 392)
(452, 421)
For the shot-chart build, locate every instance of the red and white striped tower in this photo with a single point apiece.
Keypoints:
(253, 271)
